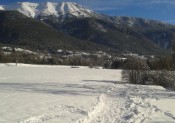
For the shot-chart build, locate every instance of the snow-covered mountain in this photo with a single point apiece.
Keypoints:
(62, 9)
(85, 24)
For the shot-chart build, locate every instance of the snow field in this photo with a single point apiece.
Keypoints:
(61, 94)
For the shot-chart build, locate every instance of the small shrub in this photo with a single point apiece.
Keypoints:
(162, 78)
(135, 63)
(135, 76)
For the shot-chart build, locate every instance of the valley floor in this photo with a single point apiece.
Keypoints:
(61, 94)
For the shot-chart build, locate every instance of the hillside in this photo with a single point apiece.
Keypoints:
(126, 34)
(19, 30)
(116, 36)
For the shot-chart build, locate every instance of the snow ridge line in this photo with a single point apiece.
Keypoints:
(41, 119)
(95, 110)
(37, 119)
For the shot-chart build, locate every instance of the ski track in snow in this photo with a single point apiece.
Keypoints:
(117, 103)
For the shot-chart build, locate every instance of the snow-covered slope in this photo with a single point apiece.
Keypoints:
(62, 9)
(26, 8)
(65, 9)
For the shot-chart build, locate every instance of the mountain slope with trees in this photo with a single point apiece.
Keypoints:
(21, 31)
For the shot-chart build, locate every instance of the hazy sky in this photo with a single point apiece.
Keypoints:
(163, 10)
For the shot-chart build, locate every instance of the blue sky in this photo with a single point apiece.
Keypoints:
(163, 10)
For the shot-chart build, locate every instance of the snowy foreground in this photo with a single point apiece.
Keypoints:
(61, 94)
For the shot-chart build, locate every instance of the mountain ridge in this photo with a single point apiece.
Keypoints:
(118, 33)
(61, 9)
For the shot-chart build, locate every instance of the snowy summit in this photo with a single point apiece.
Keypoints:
(62, 9)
